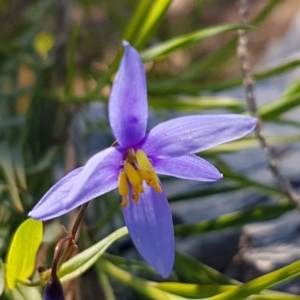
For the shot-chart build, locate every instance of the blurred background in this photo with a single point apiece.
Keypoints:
(57, 63)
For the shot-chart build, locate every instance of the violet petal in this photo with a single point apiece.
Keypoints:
(191, 134)
(128, 107)
(98, 176)
(150, 225)
(189, 167)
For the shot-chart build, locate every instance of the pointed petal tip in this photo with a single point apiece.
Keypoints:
(31, 215)
(150, 225)
(125, 43)
(80, 185)
(194, 133)
(41, 215)
(128, 105)
(189, 167)
(165, 273)
(215, 177)
(36, 214)
(253, 121)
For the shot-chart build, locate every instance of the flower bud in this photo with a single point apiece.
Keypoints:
(53, 290)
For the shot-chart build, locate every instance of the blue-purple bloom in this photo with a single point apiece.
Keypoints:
(133, 162)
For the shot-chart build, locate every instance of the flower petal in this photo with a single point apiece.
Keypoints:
(191, 134)
(128, 107)
(50, 205)
(188, 167)
(98, 176)
(150, 225)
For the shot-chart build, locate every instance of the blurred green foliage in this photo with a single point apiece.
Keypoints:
(58, 57)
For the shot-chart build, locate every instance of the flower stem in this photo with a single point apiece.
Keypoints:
(62, 253)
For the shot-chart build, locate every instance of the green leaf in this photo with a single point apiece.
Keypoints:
(22, 252)
(274, 109)
(85, 259)
(180, 84)
(193, 290)
(23, 292)
(278, 69)
(204, 192)
(275, 296)
(192, 103)
(139, 16)
(106, 285)
(19, 167)
(249, 142)
(143, 287)
(171, 45)
(6, 164)
(191, 270)
(208, 290)
(245, 180)
(151, 21)
(261, 283)
(222, 55)
(45, 162)
(235, 219)
(260, 75)
(294, 88)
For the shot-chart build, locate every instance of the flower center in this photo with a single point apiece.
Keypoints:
(137, 168)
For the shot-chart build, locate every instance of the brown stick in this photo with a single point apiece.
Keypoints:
(248, 83)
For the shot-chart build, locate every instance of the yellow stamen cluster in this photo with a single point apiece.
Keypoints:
(136, 169)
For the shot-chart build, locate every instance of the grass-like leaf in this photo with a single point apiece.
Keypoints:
(78, 264)
(235, 219)
(196, 103)
(23, 292)
(190, 270)
(151, 21)
(180, 42)
(6, 163)
(275, 109)
(261, 283)
(19, 166)
(142, 286)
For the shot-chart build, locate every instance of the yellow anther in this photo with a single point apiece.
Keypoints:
(123, 184)
(151, 179)
(157, 188)
(142, 160)
(147, 171)
(137, 168)
(146, 174)
(154, 182)
(132, 174)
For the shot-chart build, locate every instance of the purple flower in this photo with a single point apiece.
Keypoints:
(133, 162)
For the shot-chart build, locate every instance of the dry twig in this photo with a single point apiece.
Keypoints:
(248, 82)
